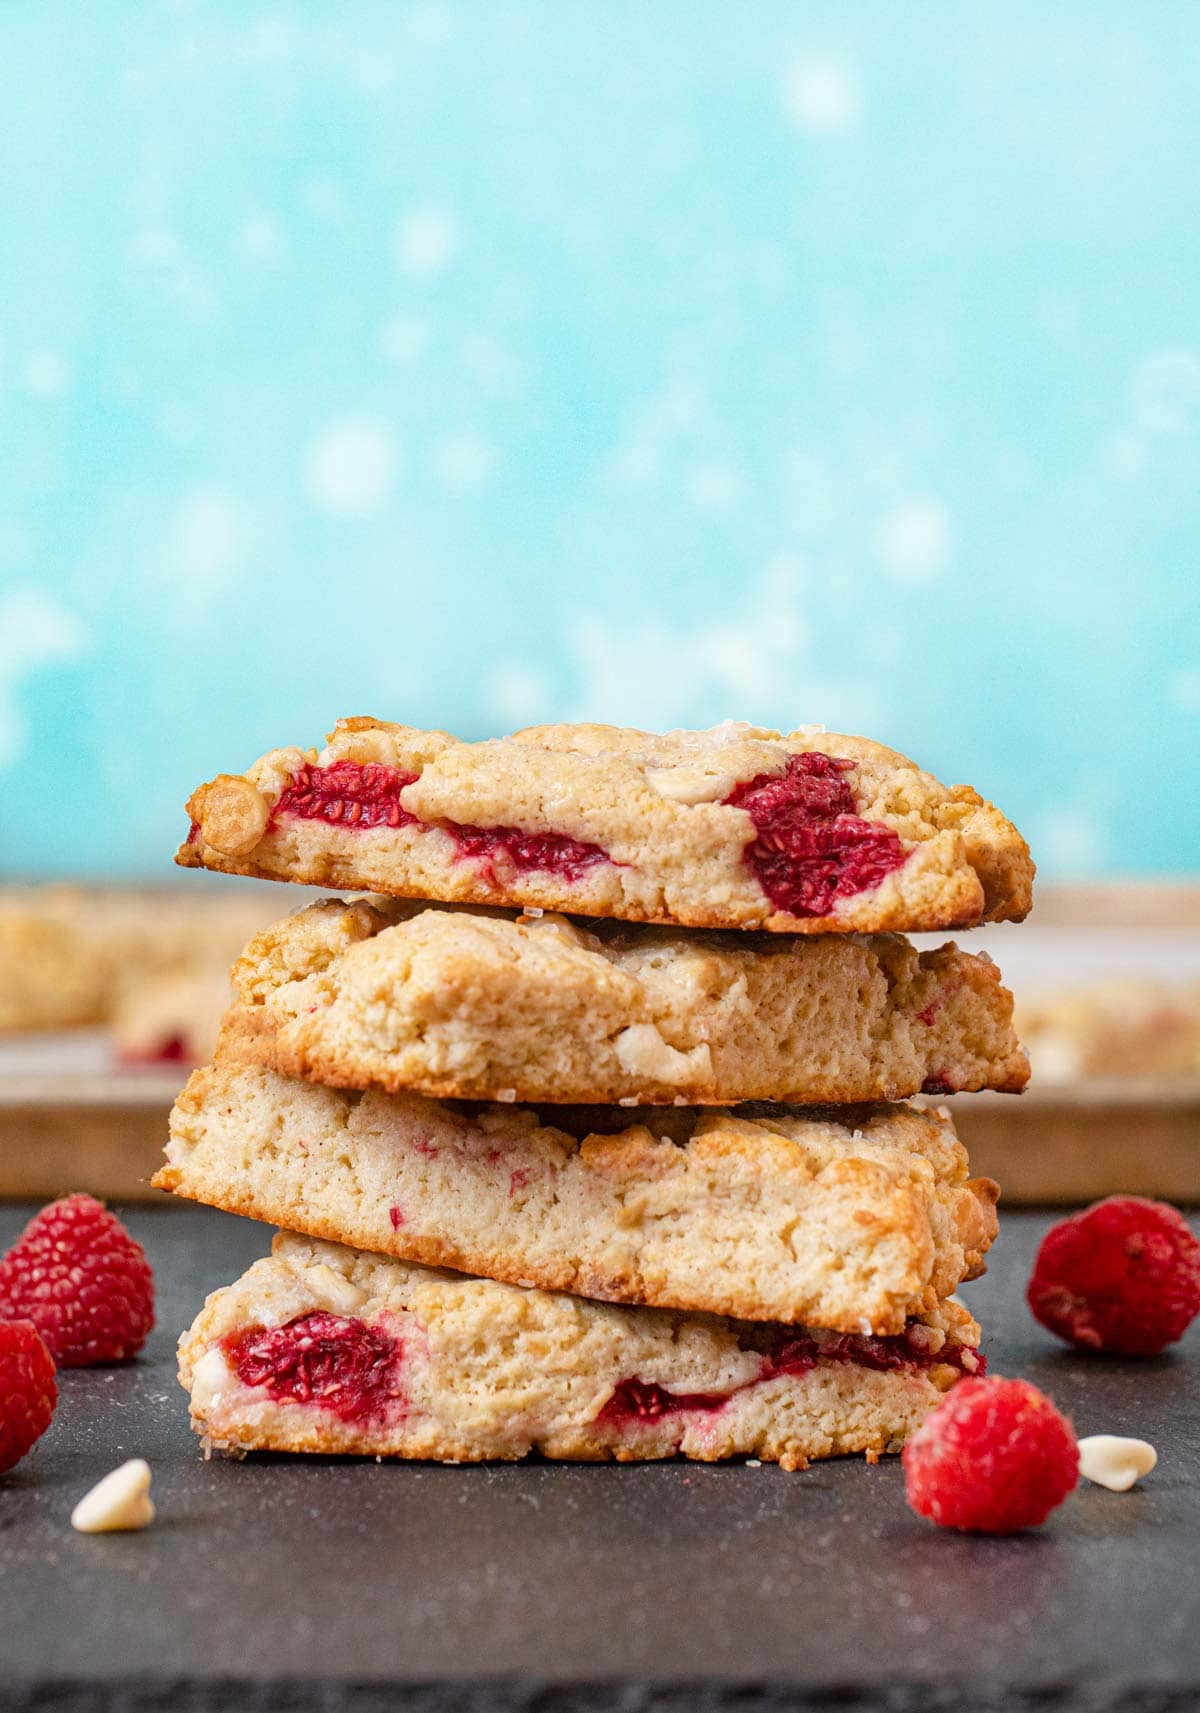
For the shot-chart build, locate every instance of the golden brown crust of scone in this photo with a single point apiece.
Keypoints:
(486, 1371)
(848, 1218)
(462, 1004)
(676, 854)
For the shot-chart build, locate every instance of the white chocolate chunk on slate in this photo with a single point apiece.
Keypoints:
(121, 1501)
(1113, 1462)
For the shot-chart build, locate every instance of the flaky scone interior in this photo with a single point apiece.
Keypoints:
(848, 1218)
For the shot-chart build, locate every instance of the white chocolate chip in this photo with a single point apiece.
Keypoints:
(642, 1052)
(716, 737)
(552, 922)
(689, 785)
(332, 1289)
(211, 1378)
(121, 1501)
(1113, 1462)
(273, 773)
(375, 745)
(232, 814)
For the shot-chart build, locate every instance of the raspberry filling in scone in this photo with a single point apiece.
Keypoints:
(320, 1358)
(636, 1400)
(350, 794)
(353, 1369)
(322, 1348)
(813, 848)
(553, 853)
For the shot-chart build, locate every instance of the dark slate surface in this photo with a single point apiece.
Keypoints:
(298, 1583)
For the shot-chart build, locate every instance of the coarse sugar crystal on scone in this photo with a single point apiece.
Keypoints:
(321, 1348)
(737, 827)
(849, 1218)
(475, 1005)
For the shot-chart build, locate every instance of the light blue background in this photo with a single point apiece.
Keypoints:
(475, 364)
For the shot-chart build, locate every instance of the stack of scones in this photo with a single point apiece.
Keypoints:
(588, 1131)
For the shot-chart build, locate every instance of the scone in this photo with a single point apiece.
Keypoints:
(324, 1349)
(851, 1218)
(53, 975)
(171, 1018)
(731, 828)
(72, 956)
(1125, 1026)
(481, 1007)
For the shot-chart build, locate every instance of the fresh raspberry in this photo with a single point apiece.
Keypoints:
(1122, 1276)
(76, 1273)
(995, 1457)
(27, 1390)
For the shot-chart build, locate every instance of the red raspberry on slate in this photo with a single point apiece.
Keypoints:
(994, 1458)
(27, 1390)
(76, 1273)
(1122, 1276)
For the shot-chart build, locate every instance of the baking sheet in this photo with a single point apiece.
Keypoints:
(1066, 1145)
